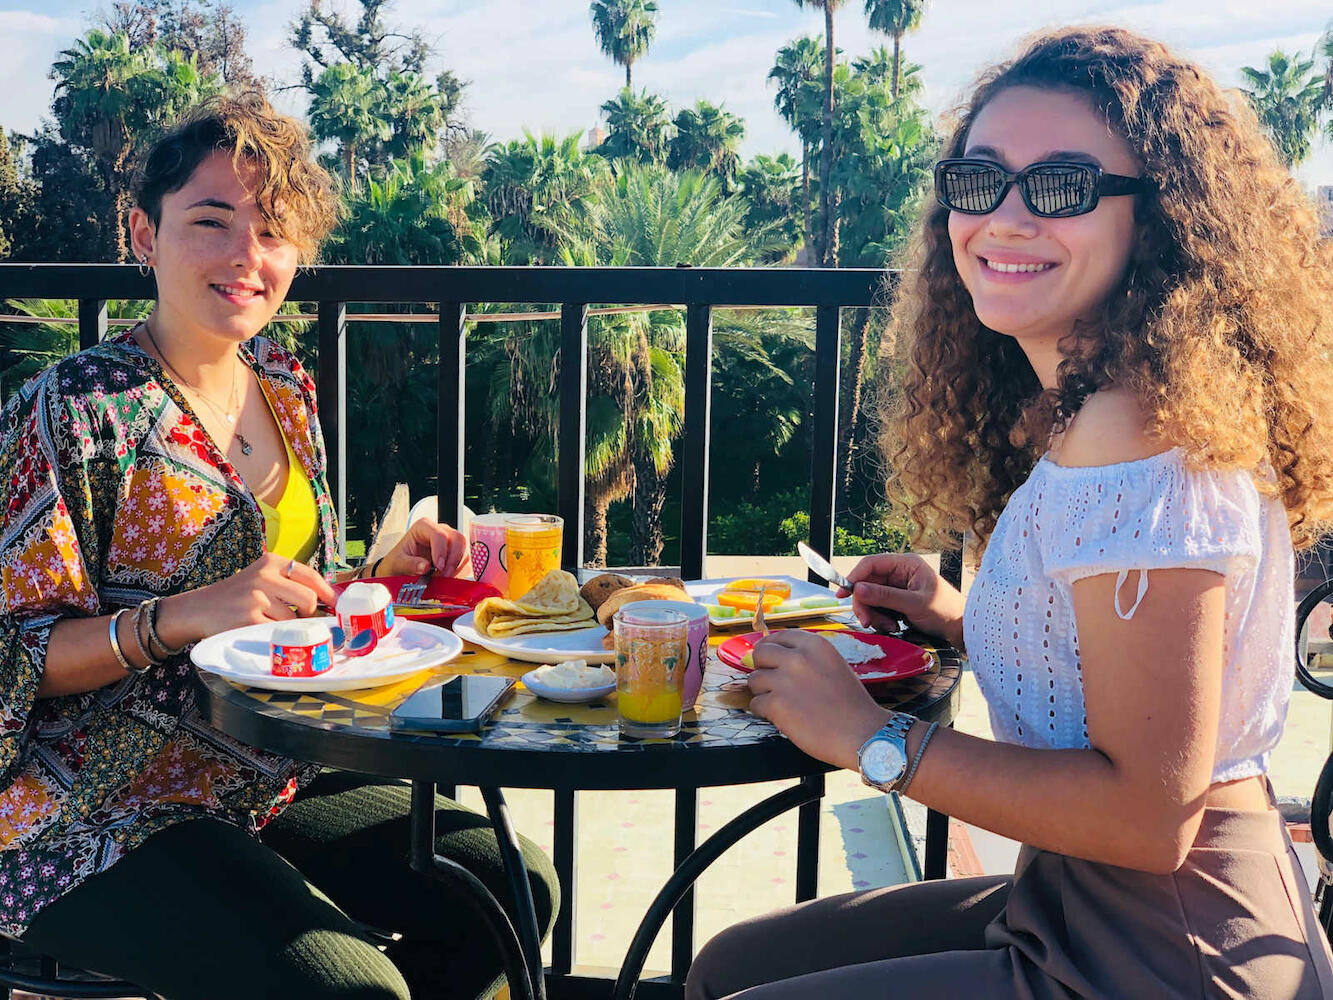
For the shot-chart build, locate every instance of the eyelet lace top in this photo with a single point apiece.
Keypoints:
(1067, 523)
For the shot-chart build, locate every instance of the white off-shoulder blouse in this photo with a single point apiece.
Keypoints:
(1066, 523)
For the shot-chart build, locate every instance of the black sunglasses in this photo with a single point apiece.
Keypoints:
(1051, 189)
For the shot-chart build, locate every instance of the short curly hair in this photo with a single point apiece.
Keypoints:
(1221, 325)
(295, 195)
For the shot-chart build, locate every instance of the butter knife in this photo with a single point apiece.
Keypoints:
(822, 566)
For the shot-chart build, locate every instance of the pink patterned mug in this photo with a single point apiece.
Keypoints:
(486, 538)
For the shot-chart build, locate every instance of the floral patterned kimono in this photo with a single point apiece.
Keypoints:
(113, 493)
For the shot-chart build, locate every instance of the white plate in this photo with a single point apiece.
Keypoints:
(242, 655)
(540, 647)
(569, 696)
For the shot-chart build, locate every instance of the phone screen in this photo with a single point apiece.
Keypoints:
(461, 703)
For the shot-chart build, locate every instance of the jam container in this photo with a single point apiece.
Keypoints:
(300, 649)
(366, 606)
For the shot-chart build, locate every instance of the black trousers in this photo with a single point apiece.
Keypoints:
(204, 911)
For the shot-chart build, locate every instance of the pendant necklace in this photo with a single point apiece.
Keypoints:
(227, 415)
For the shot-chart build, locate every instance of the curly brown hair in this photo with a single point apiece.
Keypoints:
(295, 194)
(1221, 325)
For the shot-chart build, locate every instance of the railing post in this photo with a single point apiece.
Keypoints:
(92, 322)
(695, 440)
(571, 442)
(451, 412)
(824, 454)
(332, 389)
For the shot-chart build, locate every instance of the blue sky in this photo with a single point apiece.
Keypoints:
(535, 63)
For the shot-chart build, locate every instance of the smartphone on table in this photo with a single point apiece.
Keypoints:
(461, 703)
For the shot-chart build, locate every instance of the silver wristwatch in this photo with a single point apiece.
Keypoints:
(883, 758)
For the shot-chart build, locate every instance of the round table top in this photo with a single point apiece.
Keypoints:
(533, 743)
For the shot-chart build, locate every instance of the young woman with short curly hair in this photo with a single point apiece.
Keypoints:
(1117, 374)
(167, 485)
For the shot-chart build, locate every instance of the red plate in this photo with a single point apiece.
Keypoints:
(900, 659)
(447, 589)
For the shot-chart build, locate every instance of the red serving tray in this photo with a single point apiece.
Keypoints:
(449, 589)
(901, 659)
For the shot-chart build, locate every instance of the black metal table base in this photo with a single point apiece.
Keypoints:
(517, 960)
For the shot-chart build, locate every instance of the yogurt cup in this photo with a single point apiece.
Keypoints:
(366, 606)
(300, 649)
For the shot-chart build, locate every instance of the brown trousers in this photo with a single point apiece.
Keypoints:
(1234, 921)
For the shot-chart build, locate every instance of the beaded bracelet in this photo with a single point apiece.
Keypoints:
(153, 661)
(130, 668)
(153, 636)
(920, 752)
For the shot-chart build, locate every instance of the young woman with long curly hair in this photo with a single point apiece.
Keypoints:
(1117, 376)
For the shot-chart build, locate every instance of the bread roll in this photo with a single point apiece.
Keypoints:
(655, 591)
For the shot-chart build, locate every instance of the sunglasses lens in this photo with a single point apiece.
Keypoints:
(1059, 190)
(970, 187)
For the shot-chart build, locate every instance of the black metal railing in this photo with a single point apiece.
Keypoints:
(698, 290)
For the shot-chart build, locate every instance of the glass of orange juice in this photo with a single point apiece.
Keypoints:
(532, 546)
(651, 654)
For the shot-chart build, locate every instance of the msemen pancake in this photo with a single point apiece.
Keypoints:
(552, 605)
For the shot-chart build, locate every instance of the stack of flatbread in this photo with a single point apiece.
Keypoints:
(553, 605)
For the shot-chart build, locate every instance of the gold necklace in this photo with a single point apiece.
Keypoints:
(246, 447)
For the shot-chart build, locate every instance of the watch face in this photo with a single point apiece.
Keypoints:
(883, 762)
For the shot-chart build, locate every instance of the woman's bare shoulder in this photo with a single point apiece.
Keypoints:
(1111, 427)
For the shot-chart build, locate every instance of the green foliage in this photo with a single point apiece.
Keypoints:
(637, 128)
(624, 30)
(111, 102)
(773, 526)
(648, 216)
(884, 535)
(416, 213)
(706, 139)
(1288, 98)
(895, 18)
(528, 182)
(771, 187)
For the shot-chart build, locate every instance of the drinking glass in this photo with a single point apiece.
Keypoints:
(532, 544)
(651, 654)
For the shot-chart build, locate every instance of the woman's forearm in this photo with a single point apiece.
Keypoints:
(79, 657)
(1075, 802)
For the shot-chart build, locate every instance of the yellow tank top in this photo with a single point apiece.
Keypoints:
(291, 528)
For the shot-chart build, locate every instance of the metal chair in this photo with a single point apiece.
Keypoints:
(1321, 804)
(21, 968)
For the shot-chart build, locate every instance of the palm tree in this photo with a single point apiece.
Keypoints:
(349, 106)
(771, 186)
(624, 29)
(1288, 98)
(113, 99)
(637, 128)
(643, 216)
(828, 201)
(417, 114)
(706, 139)
(797, 64)
(895, 18)
(526, 181)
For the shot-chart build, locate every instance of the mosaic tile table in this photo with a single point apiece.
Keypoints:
(568, 748)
